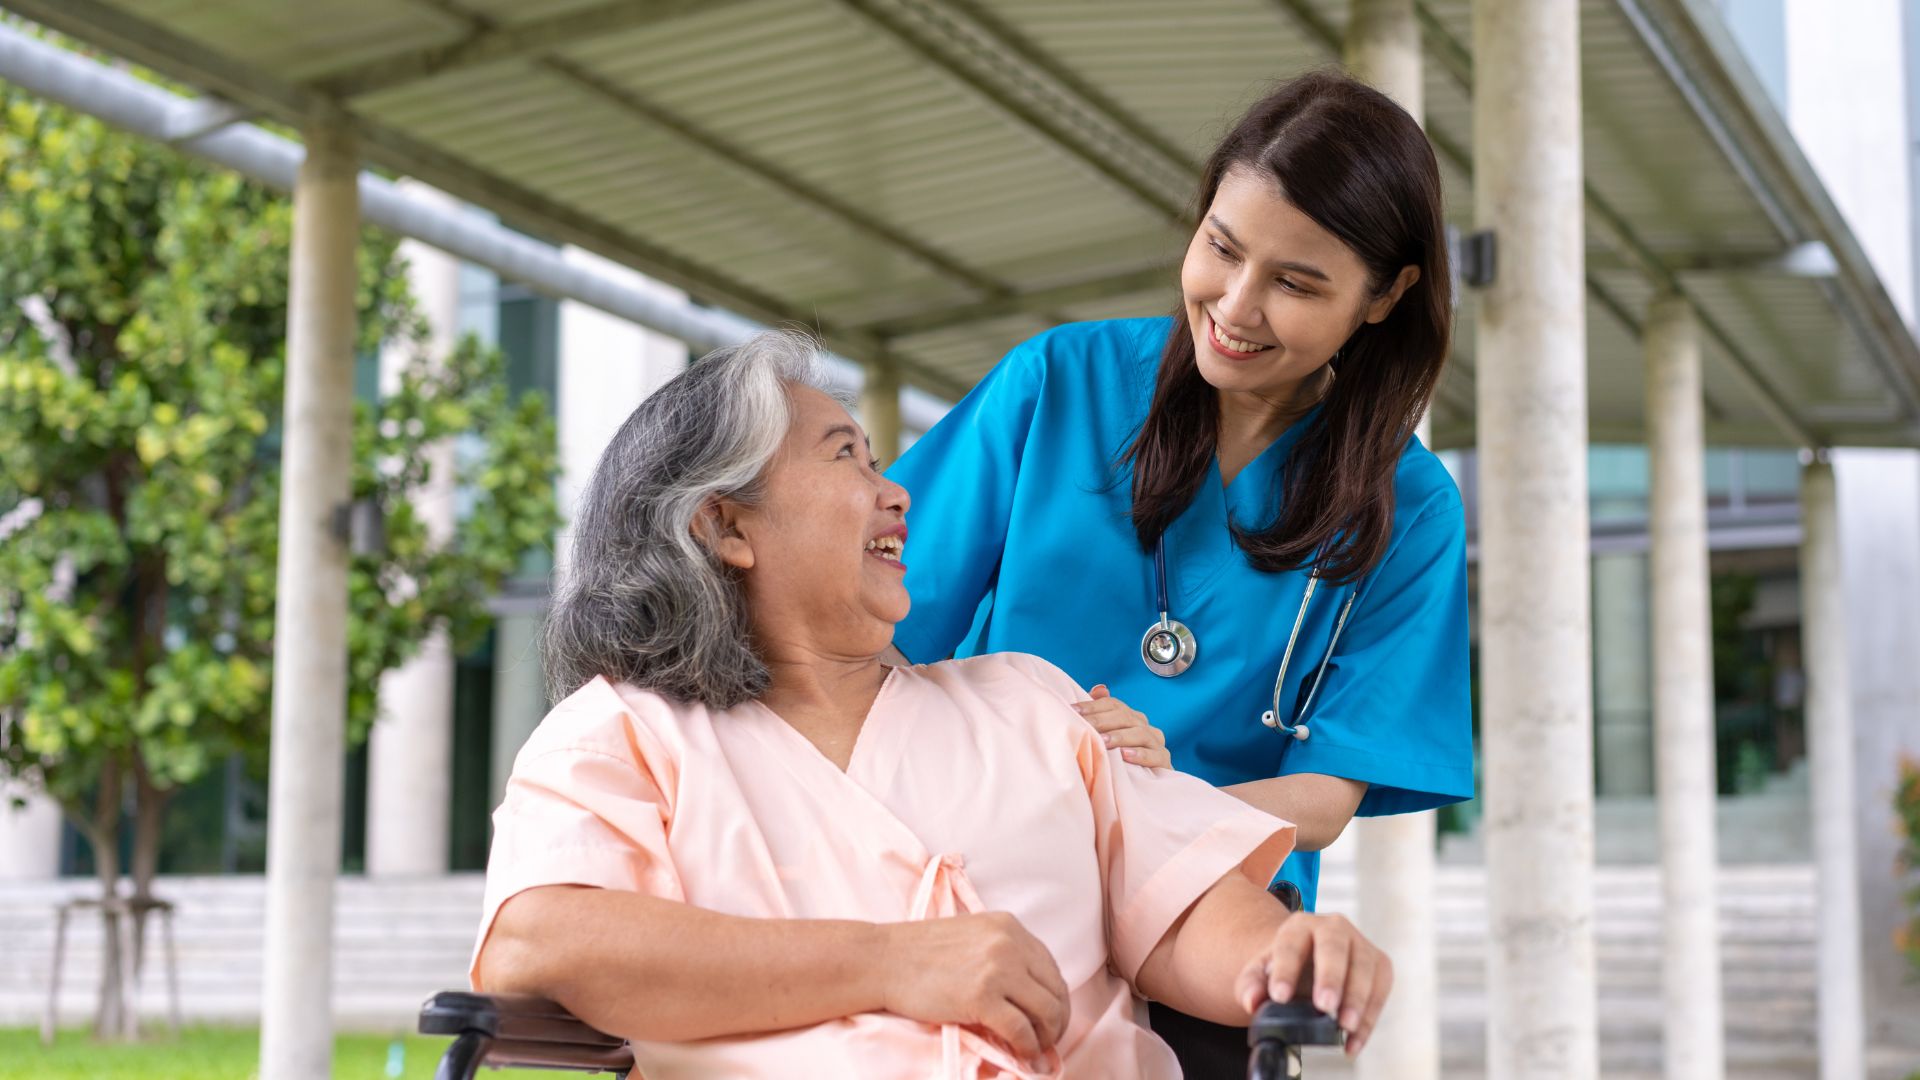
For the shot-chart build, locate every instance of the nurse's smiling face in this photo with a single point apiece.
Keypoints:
(821, 552)
(1270, 295)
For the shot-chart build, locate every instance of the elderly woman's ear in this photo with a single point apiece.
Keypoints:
(717, 526)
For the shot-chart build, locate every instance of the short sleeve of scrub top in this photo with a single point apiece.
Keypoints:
(1021, 541)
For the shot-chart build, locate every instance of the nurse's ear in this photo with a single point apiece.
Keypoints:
(1381, 306)
(717, 526)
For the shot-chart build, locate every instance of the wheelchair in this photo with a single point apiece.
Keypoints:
(518, 1031)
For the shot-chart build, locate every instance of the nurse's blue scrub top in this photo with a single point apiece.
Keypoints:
(1021, 541)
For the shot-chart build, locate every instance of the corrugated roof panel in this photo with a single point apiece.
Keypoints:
(849, 135)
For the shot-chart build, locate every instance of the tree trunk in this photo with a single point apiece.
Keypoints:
(149, 815)
(112, 1019)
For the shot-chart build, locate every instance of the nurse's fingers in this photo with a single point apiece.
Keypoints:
(1250, 989)
(1333, 946)
(1382, 985)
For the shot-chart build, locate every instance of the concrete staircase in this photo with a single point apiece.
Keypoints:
(398, 942)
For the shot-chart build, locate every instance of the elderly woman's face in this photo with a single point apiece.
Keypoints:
(822, 552)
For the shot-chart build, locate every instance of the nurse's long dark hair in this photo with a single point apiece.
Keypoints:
(1359, 166)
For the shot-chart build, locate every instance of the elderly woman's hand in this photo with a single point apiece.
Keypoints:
(984, 970)
(1126, 729)
(1349, 974)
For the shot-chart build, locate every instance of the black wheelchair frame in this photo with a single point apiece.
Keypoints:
(522, 1032)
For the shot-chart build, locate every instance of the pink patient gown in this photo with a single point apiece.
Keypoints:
(972, 787)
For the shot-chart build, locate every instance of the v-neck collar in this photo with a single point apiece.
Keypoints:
(862, 739)
(1250, 495)
(1200, 541)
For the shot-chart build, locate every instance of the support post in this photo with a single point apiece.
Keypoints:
(1683, 695)
(310, 651)
(1394, 856)
(410, 751)
(1536, 637)
(880, 409)
(1829, 722)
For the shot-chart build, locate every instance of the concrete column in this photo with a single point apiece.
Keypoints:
(1683, 695)
(410, 751)
(1535, 633)
(1622, 683)
(1879, 520)
(519, 692)
(310, 652)
(29, 834)
(607, 367)
(1393, 856)
(1829, 721)
(880, 410)
(1382, 49)
(1395, 879)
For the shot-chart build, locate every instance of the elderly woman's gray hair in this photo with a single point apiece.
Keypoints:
(643, 600)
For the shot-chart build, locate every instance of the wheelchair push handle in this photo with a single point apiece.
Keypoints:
(1278, 1032)
(1281, 1028)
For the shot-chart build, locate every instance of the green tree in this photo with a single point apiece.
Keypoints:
(142, 343)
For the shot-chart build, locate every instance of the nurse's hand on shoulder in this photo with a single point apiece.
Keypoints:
(1126, 730)
(1348, 975)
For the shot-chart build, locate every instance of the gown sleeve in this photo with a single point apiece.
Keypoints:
(1395, 708)
(1162, 837)
(584, 806)
(962, 477)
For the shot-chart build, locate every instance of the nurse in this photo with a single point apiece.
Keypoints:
(1261, 440)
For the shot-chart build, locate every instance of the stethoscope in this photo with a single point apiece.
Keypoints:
(1169, 647)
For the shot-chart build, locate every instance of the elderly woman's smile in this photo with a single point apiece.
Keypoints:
(820, 550)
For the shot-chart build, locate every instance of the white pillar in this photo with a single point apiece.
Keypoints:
(607, 366)
(519, 693)
(880, 409)
(410, 750)
(1829, 723)
(310, 651)
(29, 834)
(1878, 502)
(1393, 856)
(1394, 907)
(1683, 695)
(1535, 633)
(1622, 678)
(1382, 49)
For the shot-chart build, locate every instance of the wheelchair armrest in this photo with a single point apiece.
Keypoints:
(518, 1031)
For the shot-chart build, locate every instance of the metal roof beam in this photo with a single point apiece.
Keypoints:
(739, 159)
(1036, 93)
(1681, 27)
(770, 175)
(1809, 260)
(1458, 62)
(493, 44)
(118, 98)
(1037, 301)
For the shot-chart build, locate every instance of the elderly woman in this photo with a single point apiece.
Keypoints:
(748, 846)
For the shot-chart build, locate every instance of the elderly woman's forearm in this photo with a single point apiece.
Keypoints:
(658, 970)
(1194, 966)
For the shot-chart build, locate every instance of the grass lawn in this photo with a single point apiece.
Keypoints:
(208, 1053)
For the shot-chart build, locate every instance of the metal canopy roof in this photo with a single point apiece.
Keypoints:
(932, 180)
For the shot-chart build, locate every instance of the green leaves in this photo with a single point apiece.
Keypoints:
(142, 343)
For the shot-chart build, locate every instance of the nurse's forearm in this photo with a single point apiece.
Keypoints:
(1319, 806)
(646, 968)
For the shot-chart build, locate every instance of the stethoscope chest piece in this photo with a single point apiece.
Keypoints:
(1168, 647)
